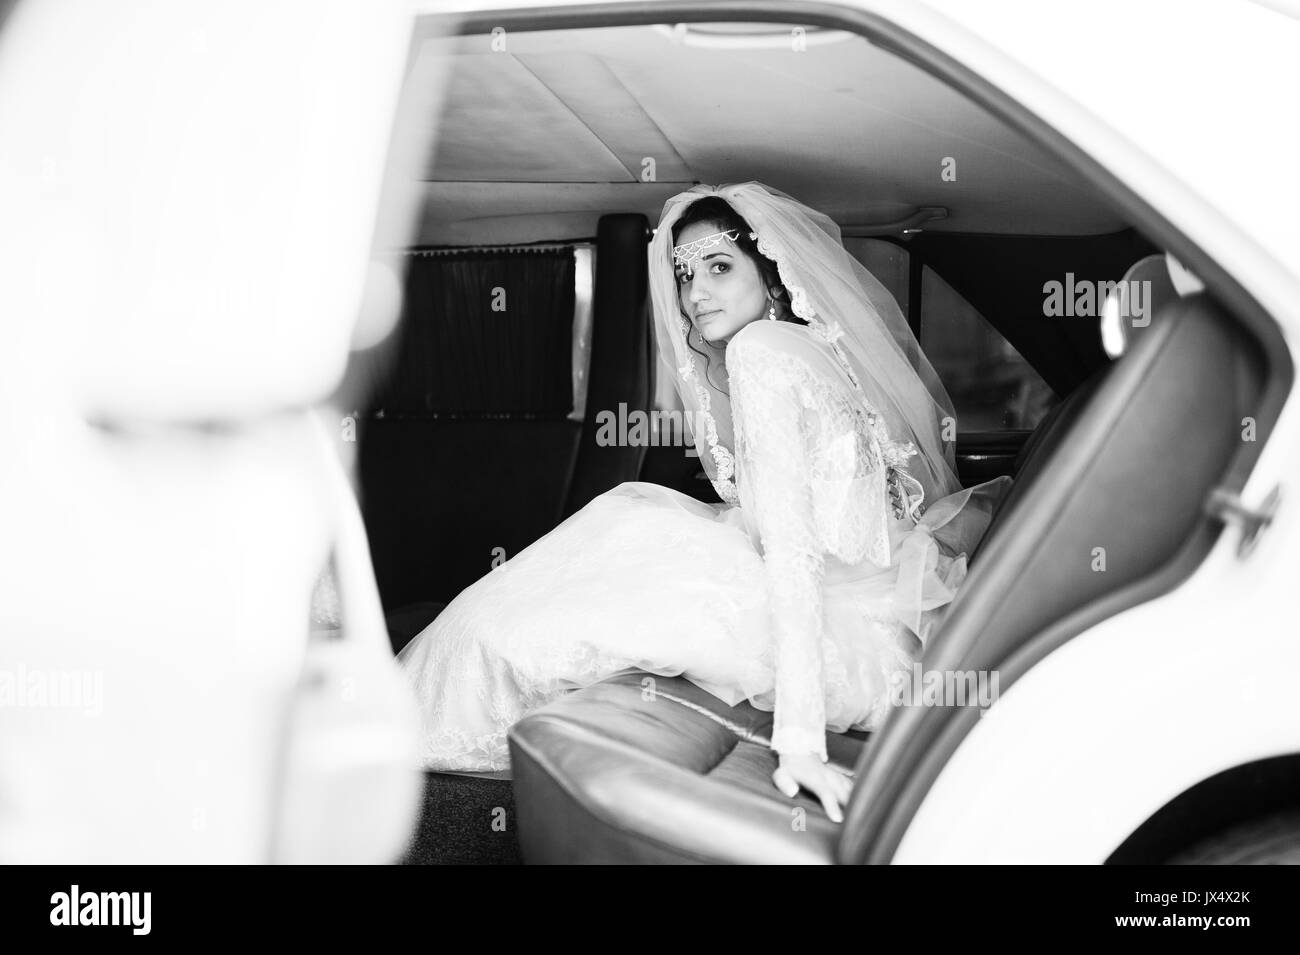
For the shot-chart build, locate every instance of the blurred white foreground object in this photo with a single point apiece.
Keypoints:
(190, 194)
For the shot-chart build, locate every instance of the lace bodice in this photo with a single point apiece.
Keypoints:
(813, 479)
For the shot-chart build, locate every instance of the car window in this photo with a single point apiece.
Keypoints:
(991, 385)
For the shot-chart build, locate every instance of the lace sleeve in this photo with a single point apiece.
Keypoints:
(773, 414)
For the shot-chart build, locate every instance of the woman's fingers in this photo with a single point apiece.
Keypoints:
(830, 788)
(845, 786)
(785, 782)
(839, 788)
(830, 804)
(825, 789)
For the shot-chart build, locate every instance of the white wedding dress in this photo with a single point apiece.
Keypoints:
(803, 596)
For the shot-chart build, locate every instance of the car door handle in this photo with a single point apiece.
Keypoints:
(1227, 506)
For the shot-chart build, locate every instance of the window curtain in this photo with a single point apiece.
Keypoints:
(485, 334)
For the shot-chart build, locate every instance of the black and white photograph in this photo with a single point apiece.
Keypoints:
(500, 432)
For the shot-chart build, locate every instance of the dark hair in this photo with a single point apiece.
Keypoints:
(716, 210)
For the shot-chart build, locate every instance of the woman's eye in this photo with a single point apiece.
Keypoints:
(715, 268)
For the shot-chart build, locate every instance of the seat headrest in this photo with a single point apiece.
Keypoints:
(187, 218)
(1147, 287)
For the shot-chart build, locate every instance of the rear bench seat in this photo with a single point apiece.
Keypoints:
(660, 771)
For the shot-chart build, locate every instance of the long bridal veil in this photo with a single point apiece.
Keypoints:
(848, 308)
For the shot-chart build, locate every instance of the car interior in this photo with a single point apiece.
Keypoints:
(526, 314)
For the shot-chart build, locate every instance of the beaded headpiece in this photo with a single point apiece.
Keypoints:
(688, 255)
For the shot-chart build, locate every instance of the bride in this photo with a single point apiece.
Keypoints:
(843, 529)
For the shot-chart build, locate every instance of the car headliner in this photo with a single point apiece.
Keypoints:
(1187, 103)
(537, 143)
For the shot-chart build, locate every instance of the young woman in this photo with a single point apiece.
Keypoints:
(843, 528)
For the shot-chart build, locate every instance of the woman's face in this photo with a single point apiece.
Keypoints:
(725, 292)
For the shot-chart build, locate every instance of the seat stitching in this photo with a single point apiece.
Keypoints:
(747, 735)
(740, 731)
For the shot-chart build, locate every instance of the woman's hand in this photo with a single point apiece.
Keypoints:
(807, 770)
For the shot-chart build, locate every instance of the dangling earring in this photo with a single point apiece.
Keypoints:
(771, 312)
(700, 335)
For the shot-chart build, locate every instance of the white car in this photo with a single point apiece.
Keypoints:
(1131, 601)
(1090, 224)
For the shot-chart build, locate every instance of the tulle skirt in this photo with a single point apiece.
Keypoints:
(646, 578)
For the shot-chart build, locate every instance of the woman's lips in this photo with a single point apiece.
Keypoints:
(700, 316)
